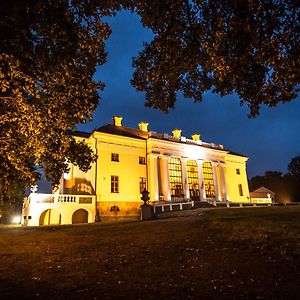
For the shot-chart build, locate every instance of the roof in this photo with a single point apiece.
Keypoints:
(79, 133)
(139, 134)
(261, 192)
(123, 131)
(236, 153)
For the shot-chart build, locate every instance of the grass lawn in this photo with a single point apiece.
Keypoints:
(232, 253)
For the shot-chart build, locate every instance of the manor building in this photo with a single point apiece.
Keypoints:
(172, 168)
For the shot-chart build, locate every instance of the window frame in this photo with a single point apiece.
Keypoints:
(193, 178)
(175, 177)
(208, 179)
(240, 187)
(142, 160)
(114, 184)
(142, 183)
(115, 157)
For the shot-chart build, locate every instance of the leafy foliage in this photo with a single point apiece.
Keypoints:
(49, 51)
(247, 47)
(294, 167)
(48, 54)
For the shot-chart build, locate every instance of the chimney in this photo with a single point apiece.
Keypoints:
(117, 120)
(177, 133)
(143, 126)
(196, 137)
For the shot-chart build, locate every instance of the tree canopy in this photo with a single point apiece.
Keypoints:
(48, 54)
(50, 49)
(294, 167)
(250, 48)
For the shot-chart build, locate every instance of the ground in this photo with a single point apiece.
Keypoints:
(236, 253)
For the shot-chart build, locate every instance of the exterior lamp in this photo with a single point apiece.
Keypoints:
(16, 219)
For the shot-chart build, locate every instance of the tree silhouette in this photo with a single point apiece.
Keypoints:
(50, 49)
(294, 167)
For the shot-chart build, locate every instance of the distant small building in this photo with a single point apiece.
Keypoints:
(262, 195)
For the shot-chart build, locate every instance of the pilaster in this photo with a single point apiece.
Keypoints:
(216, 182)
(152, 177)
(223, 182)
(186, 190)
(201, 181)
(165, 179)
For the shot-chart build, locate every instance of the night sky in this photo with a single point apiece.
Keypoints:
(270, 140)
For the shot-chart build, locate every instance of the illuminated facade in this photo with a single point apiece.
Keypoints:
(170, 167)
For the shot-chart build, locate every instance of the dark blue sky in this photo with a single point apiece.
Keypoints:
(270, 140)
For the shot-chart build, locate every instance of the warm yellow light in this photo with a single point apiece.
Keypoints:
(177, 133)
(196, 137)
(16, 219)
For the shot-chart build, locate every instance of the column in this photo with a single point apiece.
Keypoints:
(165, 179)
(223, 182)
(185, 186)
(201, 180)
(152, 177)
(216, 182)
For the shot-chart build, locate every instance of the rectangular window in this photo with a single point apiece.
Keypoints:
(241, 190)
(143, 185)
(208, 180)
(176, 188)
(238, 171)
(142, 160)
(114, 184)
(193, 182)
(114, 157)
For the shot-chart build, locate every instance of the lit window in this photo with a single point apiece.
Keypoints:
(238, 171)
(208, 180)
(114, 157)
(240, 190)
(114, 186)
(176, 188)
(142, 160)
(193, 182)
(142, 184)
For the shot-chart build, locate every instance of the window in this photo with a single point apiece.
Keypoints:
(237, 171)
(193, 182)
(208, 180)
(175, 177)
(114, 208)
(143, 185)
(114, 184)
(114, 157)
(240, 190)
(142, 160)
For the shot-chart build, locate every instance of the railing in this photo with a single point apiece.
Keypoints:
(60, 198)
(172, 206)
(178, 199)
(165, 136)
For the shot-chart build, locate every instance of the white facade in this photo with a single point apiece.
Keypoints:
(170, 167)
